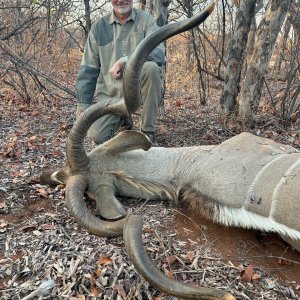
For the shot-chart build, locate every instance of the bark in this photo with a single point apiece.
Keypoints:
(201, 82)
(265, 40)
(87, 16)
(159, 10)
(282, 46)
(251, 35)
(189, 57)
(294, 17)
(238, 44)
(142, 4)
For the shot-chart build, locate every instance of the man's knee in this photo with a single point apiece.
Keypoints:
(100, 137)
(104, 128)
(151, 70)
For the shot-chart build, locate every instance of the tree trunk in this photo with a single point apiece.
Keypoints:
(159, 10)
(87, 17)
(238, 44)
(251, 35)
(265, 40)
(142, 4)
(282, 47)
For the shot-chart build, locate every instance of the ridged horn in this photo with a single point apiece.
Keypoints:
(131, 81)
(75, 189)
(76, 155)
(134, 245)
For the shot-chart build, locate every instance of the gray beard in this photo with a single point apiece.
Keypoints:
(123, 10)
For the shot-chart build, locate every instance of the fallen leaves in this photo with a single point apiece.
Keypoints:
(248, 274)
(104, 260)
(190, 255)
(42, 192)
(3, 205)
(83, 265)
(94, 290)
(17, 174)
(11, 150)
(170, 259)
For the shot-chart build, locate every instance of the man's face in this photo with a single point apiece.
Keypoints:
(122, 7)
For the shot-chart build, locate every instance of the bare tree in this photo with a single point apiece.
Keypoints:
(159, 10)
(289, 99)
(35, 44)
(244, 16)
(264, 43)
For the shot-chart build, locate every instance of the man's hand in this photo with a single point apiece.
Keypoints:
(116, 70)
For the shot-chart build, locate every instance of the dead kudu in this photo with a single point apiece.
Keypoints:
(246, 181)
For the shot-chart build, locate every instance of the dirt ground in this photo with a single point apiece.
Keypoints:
(41, 243)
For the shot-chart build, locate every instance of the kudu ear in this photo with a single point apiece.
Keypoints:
(125, 141)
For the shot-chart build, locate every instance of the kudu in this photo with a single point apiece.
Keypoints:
(246, 181)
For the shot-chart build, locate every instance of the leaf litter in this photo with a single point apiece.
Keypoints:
(46, 255)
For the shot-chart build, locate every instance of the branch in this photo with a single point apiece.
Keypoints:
(20, 28)
(17, 60)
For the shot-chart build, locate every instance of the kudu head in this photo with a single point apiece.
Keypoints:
(77, 175)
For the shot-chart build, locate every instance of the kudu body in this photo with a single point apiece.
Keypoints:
(246, 181)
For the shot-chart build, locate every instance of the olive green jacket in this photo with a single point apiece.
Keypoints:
(109, 41)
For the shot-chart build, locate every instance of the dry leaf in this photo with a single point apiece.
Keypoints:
(190, 255)
(16, 174)
(170, 274)
(121, 290)
(3, 205)
(3, 224)
(207, 136)
(206, 262)
(94, 290)
(255, 277)
(178, 103)
(42, 192)
(148, 230)
(60, 186)
(104, 260)
(63, 127)
(32, 138)
(247, 273)
(170, 259)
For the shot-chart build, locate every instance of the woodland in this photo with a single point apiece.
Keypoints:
(238, 71)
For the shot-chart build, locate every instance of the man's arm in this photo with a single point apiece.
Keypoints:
(88, 74)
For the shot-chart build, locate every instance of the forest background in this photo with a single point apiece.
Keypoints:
(249, 50)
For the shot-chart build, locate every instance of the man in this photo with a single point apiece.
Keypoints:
(111, 41)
